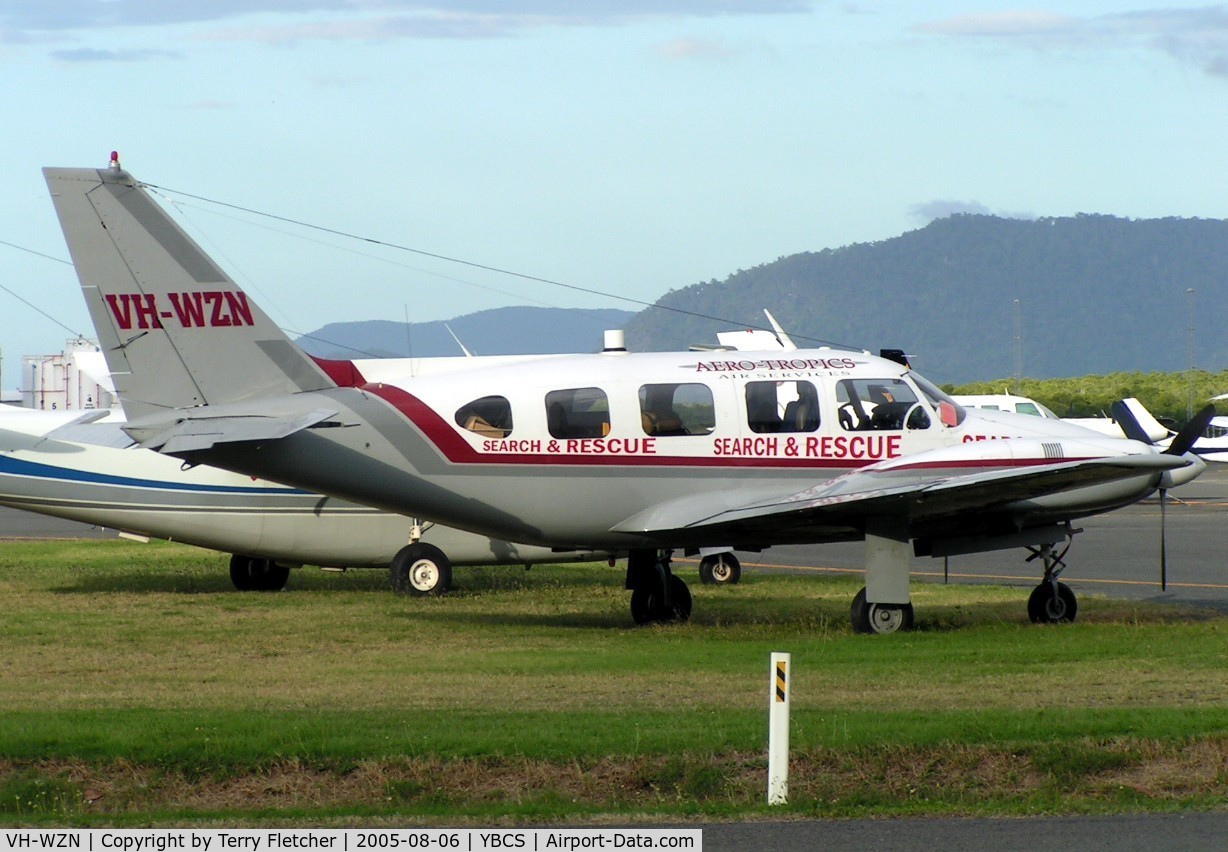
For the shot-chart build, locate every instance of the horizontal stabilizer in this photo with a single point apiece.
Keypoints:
(189, 434)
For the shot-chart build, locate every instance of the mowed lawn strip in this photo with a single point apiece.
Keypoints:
(143, 657)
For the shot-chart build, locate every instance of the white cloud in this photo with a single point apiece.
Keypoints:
(89, 54)
(940, 208)
(364, 18)
(376, 29)
(694, 48)
(1002, 24)
(1194, 35)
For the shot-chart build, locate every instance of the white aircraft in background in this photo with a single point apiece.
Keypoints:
(1004, 402)
(1211, 445)
(637, 453)
(82, 468)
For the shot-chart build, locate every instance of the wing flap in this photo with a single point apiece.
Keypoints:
(914, 495)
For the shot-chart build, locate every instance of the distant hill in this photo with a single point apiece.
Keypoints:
(1098, 294)
(499, 331)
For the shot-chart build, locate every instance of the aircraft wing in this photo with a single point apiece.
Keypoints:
(914, 493)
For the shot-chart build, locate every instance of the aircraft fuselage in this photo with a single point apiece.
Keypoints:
(568, 450)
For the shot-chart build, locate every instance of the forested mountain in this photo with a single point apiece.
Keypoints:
(1097, 294)
(499, 331)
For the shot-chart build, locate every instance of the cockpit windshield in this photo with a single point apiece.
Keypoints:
(950, 412)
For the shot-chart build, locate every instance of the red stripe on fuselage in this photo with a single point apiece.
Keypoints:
(343, 373)
(457, 450)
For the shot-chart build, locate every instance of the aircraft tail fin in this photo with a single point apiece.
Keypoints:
(1154, 430)
(176, 330)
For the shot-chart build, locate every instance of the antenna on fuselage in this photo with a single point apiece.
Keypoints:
(781, 334)
(615, 341)
(899, 356)
(463, 347)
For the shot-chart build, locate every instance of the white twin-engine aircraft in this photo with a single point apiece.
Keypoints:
(638, 453)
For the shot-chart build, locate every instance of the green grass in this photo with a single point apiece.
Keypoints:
(137, 686)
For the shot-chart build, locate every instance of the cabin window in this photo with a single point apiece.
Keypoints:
(677, 409)
(871, 404)
(578, 413)
(490, 417)
(782, 407)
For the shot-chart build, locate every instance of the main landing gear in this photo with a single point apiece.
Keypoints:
(879, 618)
(884, 605)
(720, 569)
(1051, 602)
(253, 574)
(657, 594)
(420, 569)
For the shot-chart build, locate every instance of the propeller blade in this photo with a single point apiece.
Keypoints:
(1163, 549)
(1129, 423)
(1191, 432)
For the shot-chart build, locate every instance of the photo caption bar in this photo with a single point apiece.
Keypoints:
(352, 840)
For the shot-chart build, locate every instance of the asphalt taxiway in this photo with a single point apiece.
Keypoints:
(1116, 554)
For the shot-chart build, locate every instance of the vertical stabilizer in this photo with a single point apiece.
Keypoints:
(176, 330)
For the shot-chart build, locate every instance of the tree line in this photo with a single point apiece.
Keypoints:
(1167, 395)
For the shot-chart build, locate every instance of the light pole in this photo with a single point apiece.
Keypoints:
(1018, 349)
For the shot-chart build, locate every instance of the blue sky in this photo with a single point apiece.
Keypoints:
(625, 147)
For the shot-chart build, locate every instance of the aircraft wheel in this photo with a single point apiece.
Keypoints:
(1046, 608)
(720, 569)
(251, 574)
(879, 618)
(641, 606)
(420, 569)
(648, 605)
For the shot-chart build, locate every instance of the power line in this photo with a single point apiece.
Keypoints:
(472, 264)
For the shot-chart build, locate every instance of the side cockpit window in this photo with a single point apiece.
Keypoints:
(950, 412)
(578, 413)
(677, 409)
(490, 417)
(879, 404)
(782, 407)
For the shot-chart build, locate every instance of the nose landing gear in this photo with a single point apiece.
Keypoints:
(1051, 602)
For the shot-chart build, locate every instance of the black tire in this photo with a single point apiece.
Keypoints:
(420, 569)
(680, 600)
(641, 606)
(1046, 608)
(881, 619)
(252, 574)
(720, 569)
(648, 605)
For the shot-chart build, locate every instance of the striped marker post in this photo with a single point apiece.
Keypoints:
(778, 729)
